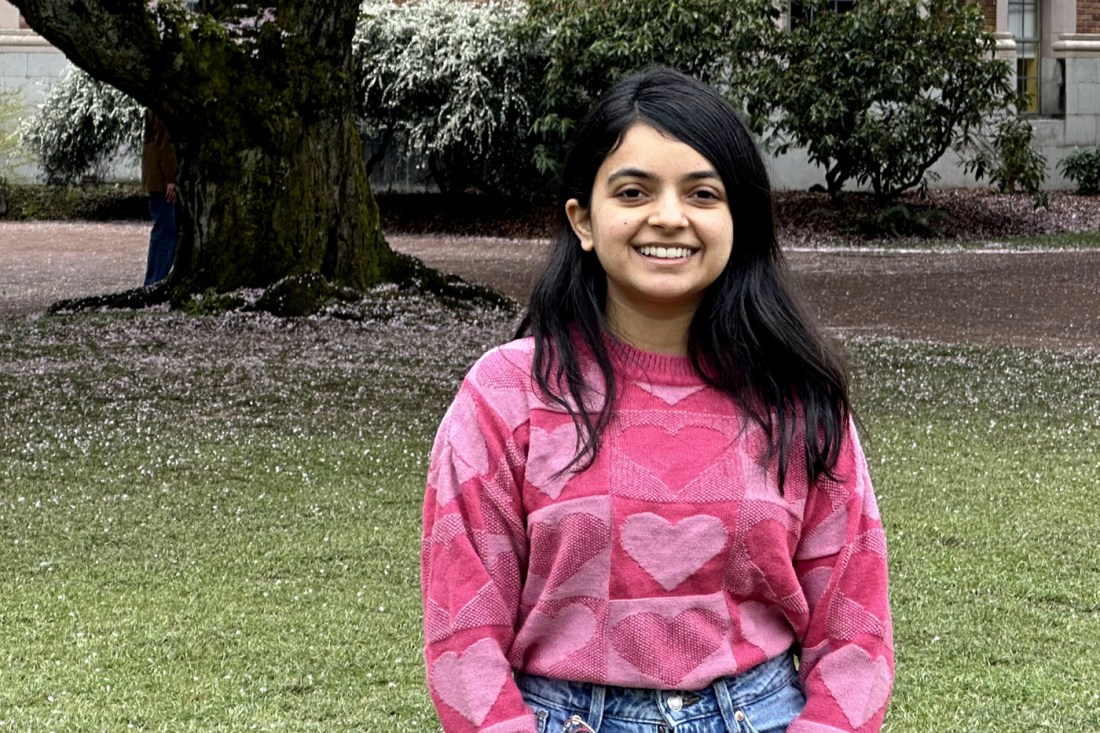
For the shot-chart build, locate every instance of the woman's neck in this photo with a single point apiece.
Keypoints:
(658, 330)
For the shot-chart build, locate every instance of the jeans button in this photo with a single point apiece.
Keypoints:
(675, 702)
(739, 716)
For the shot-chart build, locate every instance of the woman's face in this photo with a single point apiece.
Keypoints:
(659, 222)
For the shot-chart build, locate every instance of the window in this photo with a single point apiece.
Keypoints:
(1023, 22)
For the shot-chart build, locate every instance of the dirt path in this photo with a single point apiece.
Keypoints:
(1037, 298)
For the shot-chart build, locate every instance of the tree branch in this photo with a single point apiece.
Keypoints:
(113, 40)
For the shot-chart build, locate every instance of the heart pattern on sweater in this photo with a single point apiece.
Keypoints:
(764, 628)
(667, 650)
(672, 553)
(827, 538)
(561, 635)
(674, 457)
(548, 455)
(668, 394)
(859, 684)
(470, 682)
(464, 454)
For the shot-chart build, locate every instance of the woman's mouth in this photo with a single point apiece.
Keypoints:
(666, 253)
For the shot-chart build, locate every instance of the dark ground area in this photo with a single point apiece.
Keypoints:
(993, 295)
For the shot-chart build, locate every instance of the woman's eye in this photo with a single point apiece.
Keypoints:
(707, 194)
(631, 193)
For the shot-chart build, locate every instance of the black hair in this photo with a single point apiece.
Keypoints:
(751, 337)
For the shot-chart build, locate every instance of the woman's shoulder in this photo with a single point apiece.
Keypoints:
(503, 365)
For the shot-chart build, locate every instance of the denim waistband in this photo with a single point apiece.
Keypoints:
(724, 696)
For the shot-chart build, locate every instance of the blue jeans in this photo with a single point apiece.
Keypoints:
(162, 240)
(764, 699)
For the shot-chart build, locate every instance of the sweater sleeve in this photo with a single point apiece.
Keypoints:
(847, 663)
(472, 559)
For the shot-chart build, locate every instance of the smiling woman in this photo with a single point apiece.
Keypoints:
(662, 231)
(640, 515)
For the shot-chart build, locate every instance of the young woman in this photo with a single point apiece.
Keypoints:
(653, 513)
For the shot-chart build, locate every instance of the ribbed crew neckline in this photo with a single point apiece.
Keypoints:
(634, 362)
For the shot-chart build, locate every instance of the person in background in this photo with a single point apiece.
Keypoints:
(652, 513)
(158, 180)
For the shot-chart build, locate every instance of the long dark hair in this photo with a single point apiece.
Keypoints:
(751, 337)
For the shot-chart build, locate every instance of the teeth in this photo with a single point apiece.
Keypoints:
(666, 253)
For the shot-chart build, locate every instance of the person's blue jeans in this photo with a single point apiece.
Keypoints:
(162, 239)
(764, 699)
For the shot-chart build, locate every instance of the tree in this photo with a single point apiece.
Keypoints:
(453, 83)
(878, 94)
(590, 44)
(80, 128)
(258, 98)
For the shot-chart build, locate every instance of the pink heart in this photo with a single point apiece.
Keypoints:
(665, 650)
(559, 552)
(827, 538)
(860, 685)
(470, 682)
(676, 457)
(461, 454)
(765, 628)
(548, 454)
(485, 608)
(669, 395)
(671, 553)
(559, 636)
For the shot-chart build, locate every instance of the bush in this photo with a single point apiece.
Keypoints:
(590, 44)
(102, 202)
(81, 128)
(877, 95)
(453, 82)
(1083, 168)
(1009, 160)
(900, 220)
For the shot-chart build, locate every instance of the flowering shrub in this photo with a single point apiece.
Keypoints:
(83, 125)
(452, 82)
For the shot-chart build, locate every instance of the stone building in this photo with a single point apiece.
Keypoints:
(1056, 48)
(1053, 45)
(29, 66)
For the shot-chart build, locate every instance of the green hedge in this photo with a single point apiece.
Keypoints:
(99, 202)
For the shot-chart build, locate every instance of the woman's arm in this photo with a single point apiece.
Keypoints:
(847, 664)
(473, 555)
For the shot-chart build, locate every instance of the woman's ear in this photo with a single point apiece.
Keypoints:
(581, 222)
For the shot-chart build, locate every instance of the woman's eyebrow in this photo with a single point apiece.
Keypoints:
(629, 173)
(645, 175)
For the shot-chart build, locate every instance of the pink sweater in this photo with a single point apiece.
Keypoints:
(669, 562)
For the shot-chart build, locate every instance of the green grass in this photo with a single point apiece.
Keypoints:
(212, 524)
(1066, 240)
(986, 462)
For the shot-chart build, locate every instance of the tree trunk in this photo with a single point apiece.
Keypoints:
(258, 98)
(253, 215)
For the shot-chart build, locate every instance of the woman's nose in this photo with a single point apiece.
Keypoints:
(668, 212)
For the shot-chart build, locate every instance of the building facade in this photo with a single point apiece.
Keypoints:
(1053, 47)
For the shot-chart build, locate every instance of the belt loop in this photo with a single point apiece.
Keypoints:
(725, 704)
(595, 709)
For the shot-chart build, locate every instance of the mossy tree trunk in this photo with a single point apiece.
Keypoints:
(258, 98)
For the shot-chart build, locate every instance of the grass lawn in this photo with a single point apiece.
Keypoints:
(212, 524)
